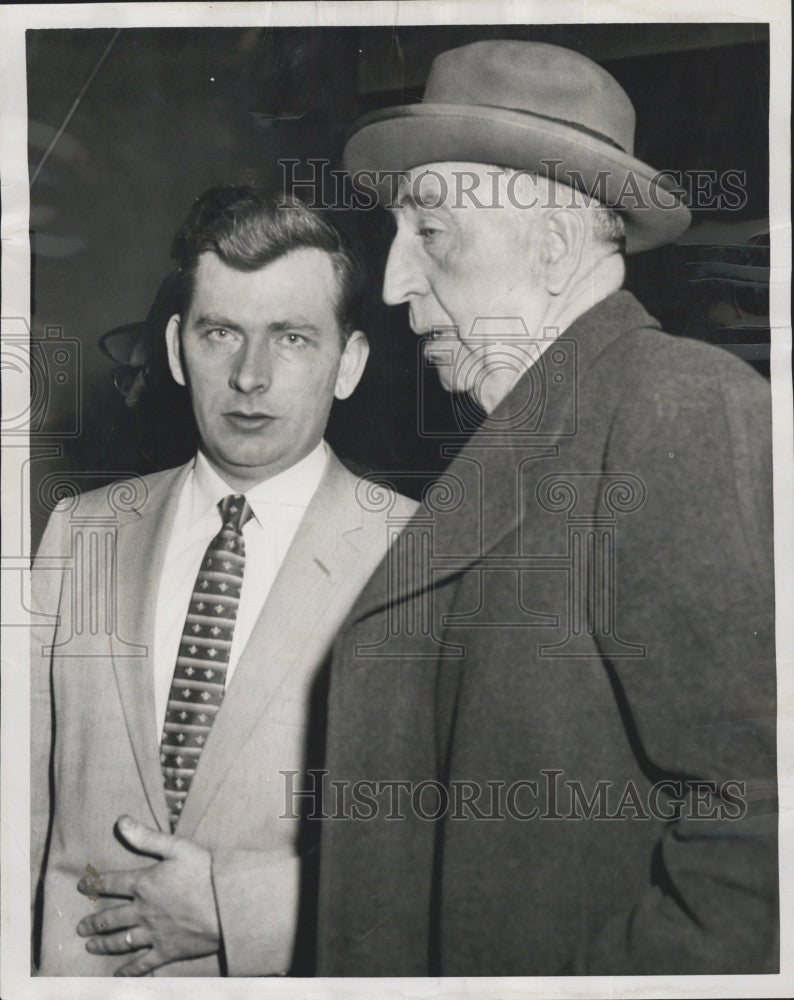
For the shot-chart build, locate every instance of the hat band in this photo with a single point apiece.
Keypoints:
(375, 117)
(593, 133)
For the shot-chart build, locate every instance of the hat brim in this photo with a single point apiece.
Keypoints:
(119, 343)
(404, 137)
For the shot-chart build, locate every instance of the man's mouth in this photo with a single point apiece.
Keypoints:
(436, 344)
(430, 346)
(244, 420)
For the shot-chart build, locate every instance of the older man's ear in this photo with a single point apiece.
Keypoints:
(566, 237)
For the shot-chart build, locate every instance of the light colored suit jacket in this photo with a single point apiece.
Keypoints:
(95, 744)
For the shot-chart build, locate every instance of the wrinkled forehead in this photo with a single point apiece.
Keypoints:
(450, 185)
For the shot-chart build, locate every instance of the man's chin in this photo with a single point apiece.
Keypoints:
(455, 385)
(446, 376)
(243, 470)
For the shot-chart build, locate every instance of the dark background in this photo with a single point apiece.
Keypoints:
(169, 113)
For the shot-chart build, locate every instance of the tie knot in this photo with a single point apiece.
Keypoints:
(235, 511)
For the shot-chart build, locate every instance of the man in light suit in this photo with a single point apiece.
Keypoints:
(187, 615)
(574, 690)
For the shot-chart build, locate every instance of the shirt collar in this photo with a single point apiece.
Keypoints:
(293, 488)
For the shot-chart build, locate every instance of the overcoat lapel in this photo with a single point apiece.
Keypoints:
(317, 563)
(140, 550)
(500, 460)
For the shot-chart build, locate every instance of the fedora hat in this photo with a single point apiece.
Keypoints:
(118, 343)
(529, 106)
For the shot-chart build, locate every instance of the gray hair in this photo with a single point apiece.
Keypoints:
(606, 224)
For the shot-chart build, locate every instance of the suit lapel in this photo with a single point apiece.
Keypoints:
(141, 543)
(317, 563)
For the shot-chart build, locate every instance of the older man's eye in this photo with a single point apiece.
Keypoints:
(429, 232)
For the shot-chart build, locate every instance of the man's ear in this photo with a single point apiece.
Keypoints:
(352, 364)
(566, 235)
(174, 349)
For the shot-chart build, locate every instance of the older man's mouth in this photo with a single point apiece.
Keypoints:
(438, 339)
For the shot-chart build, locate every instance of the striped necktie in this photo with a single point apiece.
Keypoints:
(200, 674)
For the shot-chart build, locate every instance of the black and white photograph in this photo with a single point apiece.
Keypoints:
(398, 500)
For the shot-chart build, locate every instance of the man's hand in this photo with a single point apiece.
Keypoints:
(170, 906)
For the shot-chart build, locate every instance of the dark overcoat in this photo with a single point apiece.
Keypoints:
(567, 660)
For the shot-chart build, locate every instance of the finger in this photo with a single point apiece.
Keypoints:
(145, 839)
(119, 943)
(108, 884)
(143, 963)
(112, 918)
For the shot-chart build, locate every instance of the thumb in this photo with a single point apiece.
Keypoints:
(145, 839)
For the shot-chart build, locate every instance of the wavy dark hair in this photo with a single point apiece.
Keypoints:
(247, 229)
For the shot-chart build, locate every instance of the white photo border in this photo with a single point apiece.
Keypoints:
(14, 20)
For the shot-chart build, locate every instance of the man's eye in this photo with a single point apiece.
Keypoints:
(429, 232)
(219, 334)
(294, 339)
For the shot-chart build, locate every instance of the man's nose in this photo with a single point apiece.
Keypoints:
(252, 368)
(403, 277)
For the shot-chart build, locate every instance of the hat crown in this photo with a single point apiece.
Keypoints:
(537, 79)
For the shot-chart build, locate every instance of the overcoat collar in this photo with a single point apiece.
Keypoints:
(477, 500)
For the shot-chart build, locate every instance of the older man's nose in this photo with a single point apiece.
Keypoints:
(403, 277)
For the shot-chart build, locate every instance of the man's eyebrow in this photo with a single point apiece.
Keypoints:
(278, 326)
(213, 320)
(210, 321)
(429, 202)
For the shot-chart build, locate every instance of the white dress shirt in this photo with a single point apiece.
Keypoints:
(278, 506)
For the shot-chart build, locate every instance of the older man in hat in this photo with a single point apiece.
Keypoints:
(551, 733)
